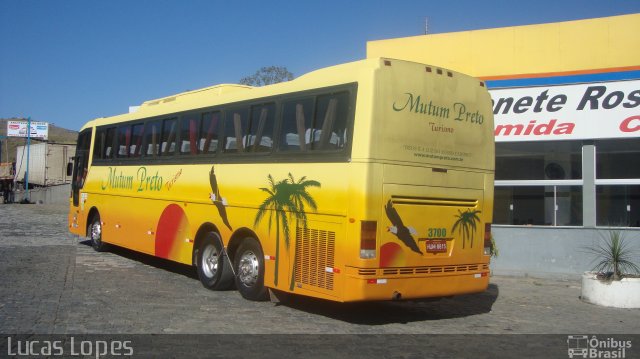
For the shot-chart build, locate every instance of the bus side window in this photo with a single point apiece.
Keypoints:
(151, 144)
(98, 146)
(210, 127)
(108, 143)
(235, 125)
(136, 140)
(168, 145)
(296, 119)
(124, 141)
(258, 138)
(189, 125)
(329, 130)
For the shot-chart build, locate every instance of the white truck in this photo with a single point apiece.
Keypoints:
(47, 163)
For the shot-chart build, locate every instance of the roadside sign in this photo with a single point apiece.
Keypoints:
(19, 129)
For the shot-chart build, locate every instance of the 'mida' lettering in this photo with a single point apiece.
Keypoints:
(115, 180)
(414, 104)
(535, 129)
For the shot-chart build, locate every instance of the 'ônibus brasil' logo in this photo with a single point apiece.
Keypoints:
(415, 104)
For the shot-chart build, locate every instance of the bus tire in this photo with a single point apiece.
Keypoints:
(213, 266)
(95, 235)
(249, 270)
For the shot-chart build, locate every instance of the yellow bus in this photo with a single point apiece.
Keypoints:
(370, 180)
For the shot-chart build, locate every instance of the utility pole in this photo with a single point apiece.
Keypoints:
(26, 177)
(426, 25)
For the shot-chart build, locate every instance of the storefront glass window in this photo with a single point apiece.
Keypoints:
(531, 192)
(618, 159)
(550, 160)
(618, 206)
(538, 205)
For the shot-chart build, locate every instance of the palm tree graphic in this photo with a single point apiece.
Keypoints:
(466, 224)
(286, 201)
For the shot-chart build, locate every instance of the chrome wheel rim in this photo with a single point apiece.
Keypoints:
(210, 258)
(96, 232)
(248, 268)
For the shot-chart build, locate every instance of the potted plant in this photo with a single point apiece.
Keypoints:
(494, 252)
(615, 279)
(494, 247)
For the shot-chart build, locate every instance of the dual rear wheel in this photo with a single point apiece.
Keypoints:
(215, 272)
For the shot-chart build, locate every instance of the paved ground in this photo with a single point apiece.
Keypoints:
(53, 283)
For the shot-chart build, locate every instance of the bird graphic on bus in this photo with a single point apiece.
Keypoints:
(404, 233)
(219, 201)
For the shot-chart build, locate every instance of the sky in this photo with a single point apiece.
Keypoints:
(69, 61)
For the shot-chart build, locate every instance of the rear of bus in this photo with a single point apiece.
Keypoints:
(429, 160)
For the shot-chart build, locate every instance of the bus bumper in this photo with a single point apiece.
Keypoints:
(371, 288)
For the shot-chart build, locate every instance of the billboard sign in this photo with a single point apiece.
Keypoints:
(567, 112)
(19, 129)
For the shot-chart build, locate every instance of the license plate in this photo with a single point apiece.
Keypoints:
(436, 246)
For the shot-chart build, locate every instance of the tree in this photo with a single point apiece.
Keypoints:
(268, 76)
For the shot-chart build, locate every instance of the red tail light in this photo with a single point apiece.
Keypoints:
(488, 245)
(368, 241)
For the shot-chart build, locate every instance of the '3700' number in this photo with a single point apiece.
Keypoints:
(437, 232)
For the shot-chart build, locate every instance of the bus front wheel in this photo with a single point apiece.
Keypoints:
(214, 268)
(249, 270)
(95, 235)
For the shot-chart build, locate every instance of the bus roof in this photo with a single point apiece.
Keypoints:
(230, 93)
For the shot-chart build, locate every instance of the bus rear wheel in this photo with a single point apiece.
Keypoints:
(214, 268)
(95, 235)
(249, 270)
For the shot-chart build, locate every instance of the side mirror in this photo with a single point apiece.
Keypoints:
(69, 168)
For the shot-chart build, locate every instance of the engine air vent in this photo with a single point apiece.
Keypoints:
(315, 251)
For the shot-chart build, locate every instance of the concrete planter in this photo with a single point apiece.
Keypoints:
(624, 293)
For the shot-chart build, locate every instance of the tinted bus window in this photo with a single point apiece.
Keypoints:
(296, 120)
(108, 143)
(235, 124)
(260, 132)
(98, 146)
(189, 125)
(168, 146)
(209, 129)
(136, 140)
(124, 140)
(151, 145)
(330, 122)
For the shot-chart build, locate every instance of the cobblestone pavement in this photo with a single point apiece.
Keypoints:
(54, 283)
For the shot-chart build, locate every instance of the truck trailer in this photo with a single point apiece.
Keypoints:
(47, 163)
